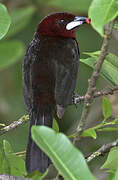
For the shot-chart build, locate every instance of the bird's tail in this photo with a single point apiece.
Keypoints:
(36, 159)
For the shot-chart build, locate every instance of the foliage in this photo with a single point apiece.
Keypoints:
(10, 162)
(15, 27)
(109, 69)
(101, 12)
(66, 158)
(10, 58)
(112, 160)
(20, 19)
(4, 21)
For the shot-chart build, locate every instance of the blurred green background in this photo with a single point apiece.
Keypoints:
(25, 17)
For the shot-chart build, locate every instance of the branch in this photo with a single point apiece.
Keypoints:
(92, 81)
(98, 65)
(104, 149)
(14, 125)
(103, 92)
(9, 177)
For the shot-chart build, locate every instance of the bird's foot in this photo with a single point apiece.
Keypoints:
(76, 99)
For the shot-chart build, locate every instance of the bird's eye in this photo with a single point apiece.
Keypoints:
(62, 20)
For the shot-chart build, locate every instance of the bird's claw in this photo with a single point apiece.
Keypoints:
(75, 99)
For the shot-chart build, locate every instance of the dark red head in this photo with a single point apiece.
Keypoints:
(61, 24)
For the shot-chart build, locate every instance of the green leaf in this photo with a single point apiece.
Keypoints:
(4, 21)
(116, 24)
(66, 158)
(112, 160)
(92, 54)
(20, 18)
(72, 135)
(90, 133)
(37, 175)
(10, 163)
(4, 165)
(109, 69)
(111, 58)
(3, 125)
(116, 175)
(89, 61)
(106, 108)
(70, 5)
(115, 121)
(110, 73)
(55, 125)
(10, 52)
(7, 147)
(107, 129)
(101, 12)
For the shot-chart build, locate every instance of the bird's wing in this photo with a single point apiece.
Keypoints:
(30, 57)
(66, 76)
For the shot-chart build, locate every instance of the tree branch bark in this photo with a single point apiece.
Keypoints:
(104, 52)
(9, 177)
(103, 92)
(14, 125)
(25, 118)
(92, 81)
(101, 151)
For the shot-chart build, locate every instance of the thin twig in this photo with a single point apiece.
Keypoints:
(20, 154)
(9, 177)
(14, 125)
(92, 81)
(103, 92)
(98, 65)
(104, 149)
(25, 118)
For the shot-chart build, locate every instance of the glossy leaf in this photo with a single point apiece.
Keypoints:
(110, 72)
(20, 18)
(92, 54)
(107, 129)
(66, 158)
(109, 69)
(106, 108)
(55, 125)
(116, 24)
(101, 12)
(3, 125)
(89, 133)
(115, 175)
(112, 160)
(10, 52)
(4, 20)
(37, 175)
(115, 121)
(10, 163)
(113, 59)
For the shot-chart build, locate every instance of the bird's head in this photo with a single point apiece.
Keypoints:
(61, 24)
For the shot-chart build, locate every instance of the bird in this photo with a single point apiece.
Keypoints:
(50, 71)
